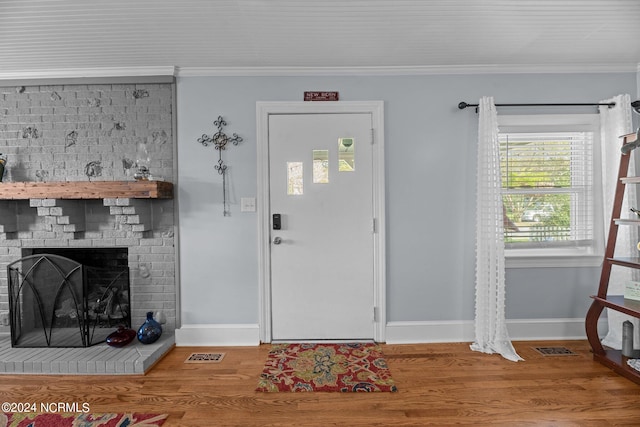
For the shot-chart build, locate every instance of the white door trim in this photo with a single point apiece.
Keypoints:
(263, 110)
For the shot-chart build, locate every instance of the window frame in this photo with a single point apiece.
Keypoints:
(590, 256)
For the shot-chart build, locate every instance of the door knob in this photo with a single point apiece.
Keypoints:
(277, 240)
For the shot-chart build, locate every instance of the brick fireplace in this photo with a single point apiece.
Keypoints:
(91, 133)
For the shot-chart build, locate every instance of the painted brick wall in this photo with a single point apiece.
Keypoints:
(92, 132)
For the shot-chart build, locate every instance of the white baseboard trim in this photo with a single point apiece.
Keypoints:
(429, 332)
(464, 330)
(218, 335)
(210, 335)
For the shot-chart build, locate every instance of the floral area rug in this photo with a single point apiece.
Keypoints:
(326, 367)
(80, 420)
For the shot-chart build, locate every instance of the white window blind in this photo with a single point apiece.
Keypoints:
(547, 179)
(549, 176)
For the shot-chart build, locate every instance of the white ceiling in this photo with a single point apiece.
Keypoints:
(235, 36)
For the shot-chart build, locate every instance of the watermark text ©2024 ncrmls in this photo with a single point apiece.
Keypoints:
(46, 407)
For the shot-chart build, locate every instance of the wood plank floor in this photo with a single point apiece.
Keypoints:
(438, 385)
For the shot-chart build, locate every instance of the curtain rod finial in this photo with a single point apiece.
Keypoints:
(463, 105)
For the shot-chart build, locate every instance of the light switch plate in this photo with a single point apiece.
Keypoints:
(247, 204)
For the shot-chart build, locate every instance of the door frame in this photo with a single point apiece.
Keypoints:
(263, 110)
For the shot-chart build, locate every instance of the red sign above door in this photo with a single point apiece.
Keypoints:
(321, 96)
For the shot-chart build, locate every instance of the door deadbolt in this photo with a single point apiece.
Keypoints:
(277, 221)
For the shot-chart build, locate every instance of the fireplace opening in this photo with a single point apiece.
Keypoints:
(64, 297)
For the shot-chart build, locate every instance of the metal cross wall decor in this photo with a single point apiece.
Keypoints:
(220, 141)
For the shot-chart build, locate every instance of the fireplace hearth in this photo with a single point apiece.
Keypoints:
(68, 297)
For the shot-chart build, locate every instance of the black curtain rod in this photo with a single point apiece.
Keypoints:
(464, 105)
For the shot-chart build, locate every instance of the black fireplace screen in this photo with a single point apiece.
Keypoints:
(55, 301)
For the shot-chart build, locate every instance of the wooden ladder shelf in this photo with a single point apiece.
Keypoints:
(610, 357)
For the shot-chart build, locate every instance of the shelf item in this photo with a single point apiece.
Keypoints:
(627, 221)
(610, 357)
(619, 303)
(614, 360)
(86, 190)
(634, 363)
(633, 262)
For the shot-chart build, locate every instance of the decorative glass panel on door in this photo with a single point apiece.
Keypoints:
(346, 160)
(295, 183)
(320, 166)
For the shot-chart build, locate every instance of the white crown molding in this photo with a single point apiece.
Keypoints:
(405, 70)
(75, 73)
(173, 71)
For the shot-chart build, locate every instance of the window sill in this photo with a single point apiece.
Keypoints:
(551, 259)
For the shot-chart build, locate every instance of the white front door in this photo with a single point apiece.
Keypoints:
(322, 229)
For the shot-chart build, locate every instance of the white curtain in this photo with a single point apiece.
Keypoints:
(615, 122)
(490, 323)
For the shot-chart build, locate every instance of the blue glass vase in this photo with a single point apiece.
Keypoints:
(150, 330)
(3, 164)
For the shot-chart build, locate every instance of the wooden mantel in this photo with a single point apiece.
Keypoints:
(86, 190)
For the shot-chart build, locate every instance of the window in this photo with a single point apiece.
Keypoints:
(550, 180)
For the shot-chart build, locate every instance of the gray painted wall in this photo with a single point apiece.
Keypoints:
(430, 173)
